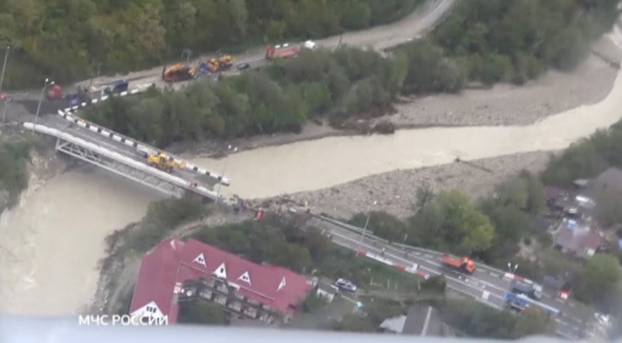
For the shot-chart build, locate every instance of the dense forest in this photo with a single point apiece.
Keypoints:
(501, 40)
(482, 40)
(587, 158)
(68, 39)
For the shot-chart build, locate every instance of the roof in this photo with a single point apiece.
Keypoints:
(553, 193)
(420, 320)
(394, 324)
(578, 238)
(164, 269)
(610, 179)
(423, 321)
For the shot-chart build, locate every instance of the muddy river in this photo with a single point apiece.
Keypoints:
(51, 242)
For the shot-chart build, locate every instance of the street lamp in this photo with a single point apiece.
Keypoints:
(6, 58)
(47, 83)
(99, 66)
(6, 101)
(367, 222)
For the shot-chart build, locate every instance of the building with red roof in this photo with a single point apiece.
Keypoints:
(177, 271)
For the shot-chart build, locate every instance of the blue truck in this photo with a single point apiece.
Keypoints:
(518, 302)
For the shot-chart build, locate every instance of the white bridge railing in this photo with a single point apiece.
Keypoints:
(95, 154)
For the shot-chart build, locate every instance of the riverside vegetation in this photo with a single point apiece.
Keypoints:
(482, 41)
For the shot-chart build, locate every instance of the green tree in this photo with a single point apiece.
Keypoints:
(451, 222)
(599, 279)
(355, 323)
(435, 284)
(14, 157)
(202, 312)
(534, 322)
(382, 224)
(357, 15)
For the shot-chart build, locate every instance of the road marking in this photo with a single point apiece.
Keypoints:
(431, 271)
(485, 295)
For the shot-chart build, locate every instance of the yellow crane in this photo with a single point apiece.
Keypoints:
(164, 162)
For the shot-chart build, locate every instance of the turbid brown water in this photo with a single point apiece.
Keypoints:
(51, 242)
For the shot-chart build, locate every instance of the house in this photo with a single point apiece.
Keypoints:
(577, 238)
(177, 271)
(420, 321)
(554, 194)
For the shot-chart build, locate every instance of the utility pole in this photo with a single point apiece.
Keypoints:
(6, 58)
(366, 223)
(99, 65)
(46, 83)
(6, 101)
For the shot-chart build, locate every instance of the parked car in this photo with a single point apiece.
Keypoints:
(243, 66)
(345, 285)
(117, 87)
(4, 96)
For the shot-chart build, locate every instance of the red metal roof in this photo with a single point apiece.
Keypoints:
(173, 261)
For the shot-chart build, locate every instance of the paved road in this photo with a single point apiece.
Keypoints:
(381, 37)
(486, 285)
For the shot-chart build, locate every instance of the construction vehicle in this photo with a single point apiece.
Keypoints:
(164, 162)
(225, 62)
(287, 51)
(222, 63)
(178, 72)
(518, 302)
(463, 264)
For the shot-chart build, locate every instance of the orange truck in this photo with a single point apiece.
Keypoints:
(462, 264)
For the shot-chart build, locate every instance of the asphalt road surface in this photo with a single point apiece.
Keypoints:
(486, 285)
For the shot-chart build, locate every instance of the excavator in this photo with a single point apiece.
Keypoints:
(178, 72)
(225, 62)
(164, 162)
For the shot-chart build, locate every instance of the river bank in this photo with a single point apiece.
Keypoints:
(396, 192)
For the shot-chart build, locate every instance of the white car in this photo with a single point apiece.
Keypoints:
(345, 285)
(309, 45)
